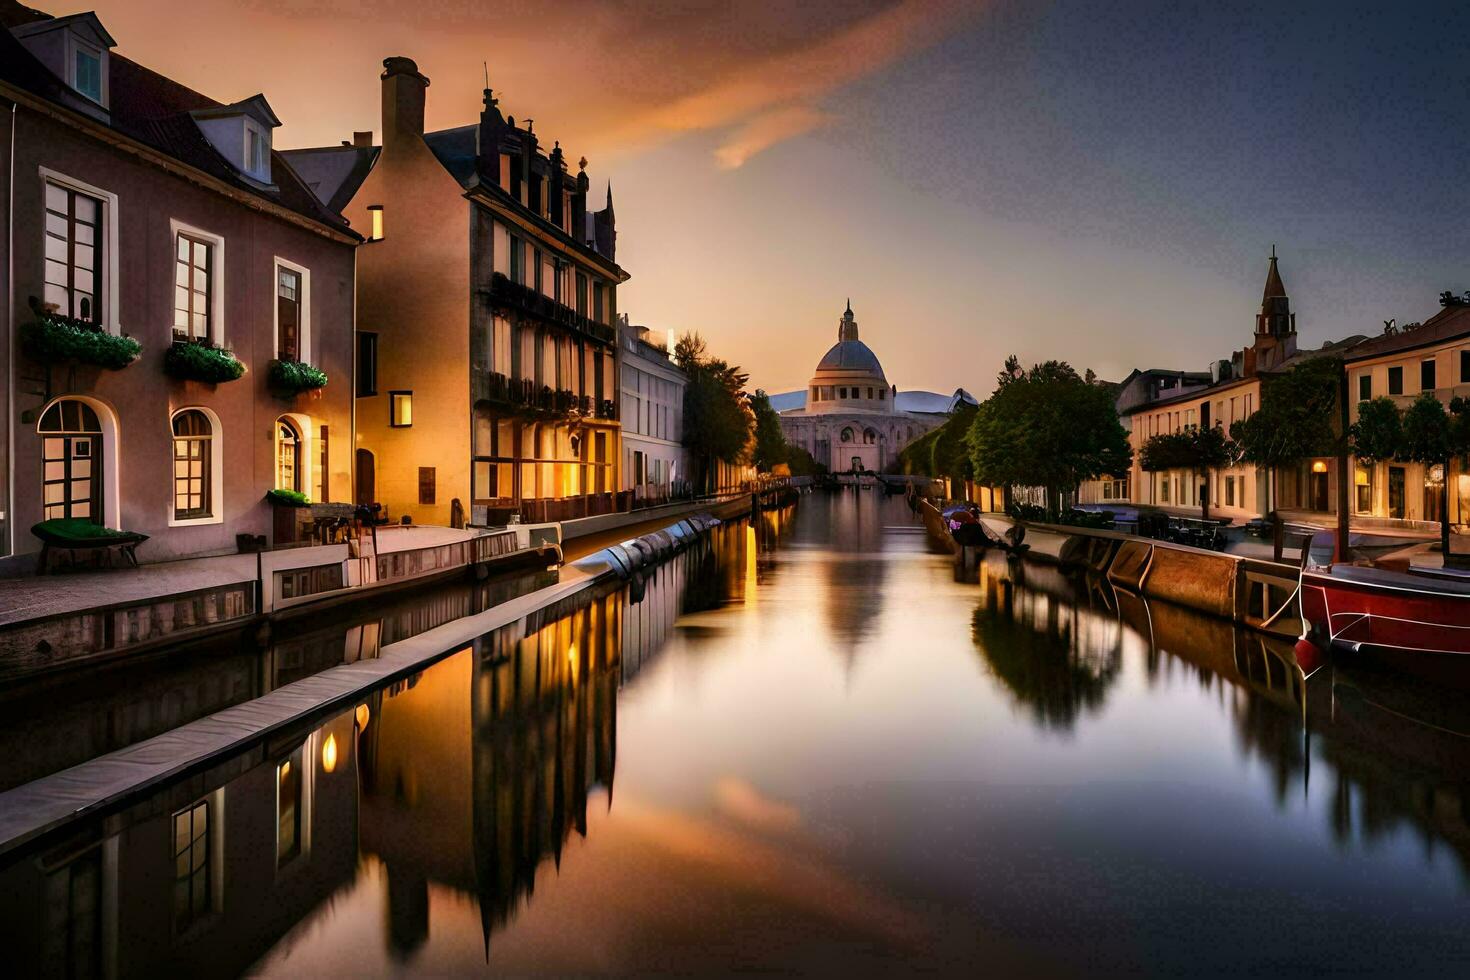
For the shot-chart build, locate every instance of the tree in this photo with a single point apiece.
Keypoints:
(1047, 427)
(942, 452)
(1379, 431)
(771, 448)
(1427, 441)
(1192, 448)
(718, 421)
(1298, 419)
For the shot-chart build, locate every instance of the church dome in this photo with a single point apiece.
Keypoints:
(850, 355)
(849, 377)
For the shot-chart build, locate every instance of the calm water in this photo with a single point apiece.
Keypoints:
(803, 747)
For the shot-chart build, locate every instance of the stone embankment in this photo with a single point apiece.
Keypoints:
(1255, 593)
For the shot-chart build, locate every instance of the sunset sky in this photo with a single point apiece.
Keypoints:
(1094, 181)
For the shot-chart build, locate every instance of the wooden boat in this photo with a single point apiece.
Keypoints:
(1356, 607)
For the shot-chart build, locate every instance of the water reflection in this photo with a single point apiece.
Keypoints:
(829, 757)
(1054, 642)
(60, 722)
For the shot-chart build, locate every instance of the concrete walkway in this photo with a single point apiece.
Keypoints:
(48, 595)
(39, 596)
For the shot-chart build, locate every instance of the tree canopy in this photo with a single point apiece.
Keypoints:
(1047, 427)
(718, 421)
(942, 452)
(1297, 418)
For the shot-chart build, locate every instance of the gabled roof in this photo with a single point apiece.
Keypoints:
(334, 173)
(256, 107)
(85, 24)
(156, 111)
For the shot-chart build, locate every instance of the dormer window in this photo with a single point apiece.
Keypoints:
(241, 132)
(75, 49)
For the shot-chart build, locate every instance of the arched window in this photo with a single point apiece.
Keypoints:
(847, 435)
(288, 455)
(71, 453)
(193, 462)
(869, 436)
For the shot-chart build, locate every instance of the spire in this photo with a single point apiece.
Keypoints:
(847, 328)
(1274, 287)
(609, 207)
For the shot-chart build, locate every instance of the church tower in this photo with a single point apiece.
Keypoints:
(1275, 339)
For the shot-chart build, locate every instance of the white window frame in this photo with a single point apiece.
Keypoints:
(75, 44)
(305, 343)
(216, 469)
(263, 172)
(216, 275)
(109, 290)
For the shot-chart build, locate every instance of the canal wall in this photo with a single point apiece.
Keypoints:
(42, 806)
(60, 622)
(1255, 593)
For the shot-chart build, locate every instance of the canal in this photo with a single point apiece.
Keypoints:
(801, 745)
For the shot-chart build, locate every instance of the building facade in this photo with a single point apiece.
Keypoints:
(1403, 364)
(487, 298)
(138, 208)
(651, 416)
(1157, 402)
(849, 417)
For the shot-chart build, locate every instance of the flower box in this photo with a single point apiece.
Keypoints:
(294, 377)
(288, 498)
(55, 339)
(190, 361)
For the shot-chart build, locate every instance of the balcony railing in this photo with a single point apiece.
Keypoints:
(532, 303)
(523, 394)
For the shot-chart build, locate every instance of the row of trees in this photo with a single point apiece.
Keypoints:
(1047, 426)
(722, 424)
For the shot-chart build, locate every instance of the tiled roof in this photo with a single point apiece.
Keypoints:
(1450, 323)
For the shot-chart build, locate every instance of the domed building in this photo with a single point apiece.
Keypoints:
(849, 417)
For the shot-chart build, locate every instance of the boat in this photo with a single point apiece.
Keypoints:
(1354, 607)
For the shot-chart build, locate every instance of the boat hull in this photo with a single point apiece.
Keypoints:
(1386, 611)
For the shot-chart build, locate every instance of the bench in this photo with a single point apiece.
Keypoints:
(74, 534)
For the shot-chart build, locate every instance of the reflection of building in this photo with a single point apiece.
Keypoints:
(652, 414)
(136, 206)
(202, 880)
(487, 294)
(850, 417)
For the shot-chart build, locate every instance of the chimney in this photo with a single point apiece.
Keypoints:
(554, 203)
(361, 139)
(529, 145)
(487, 139)
(403, 101)
(579, 202)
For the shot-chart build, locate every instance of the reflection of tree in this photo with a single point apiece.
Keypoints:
(1056, 658)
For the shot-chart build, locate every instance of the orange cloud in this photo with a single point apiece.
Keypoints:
(765, 131)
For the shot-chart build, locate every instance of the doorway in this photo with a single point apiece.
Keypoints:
(1396, 486)
(366, 490)
(1434, 494)
(1317, 490)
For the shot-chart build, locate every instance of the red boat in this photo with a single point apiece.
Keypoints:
(1421, 611)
